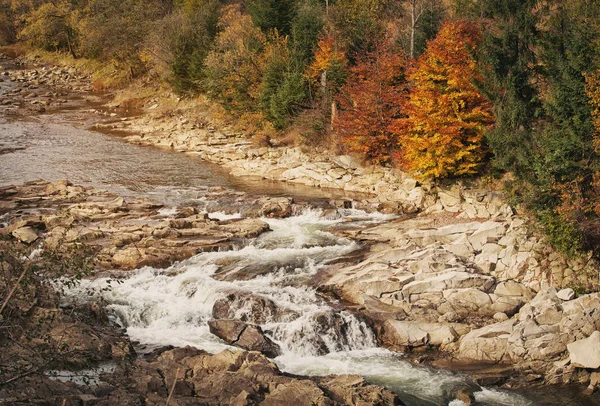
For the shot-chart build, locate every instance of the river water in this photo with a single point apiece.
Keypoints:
(173, 306)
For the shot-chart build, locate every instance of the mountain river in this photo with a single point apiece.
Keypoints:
(172, 306)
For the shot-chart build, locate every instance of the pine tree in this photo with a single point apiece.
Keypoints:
(507, 53)
(569, 52)
(272, 14)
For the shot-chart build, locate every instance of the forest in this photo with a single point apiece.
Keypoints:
(442, 89)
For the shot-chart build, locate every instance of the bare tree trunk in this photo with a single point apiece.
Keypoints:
(413, 23)
(415, 14)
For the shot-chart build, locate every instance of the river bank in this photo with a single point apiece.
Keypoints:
(468, 275)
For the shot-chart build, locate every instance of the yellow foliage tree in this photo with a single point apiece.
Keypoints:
(447, 114)
(235, 65)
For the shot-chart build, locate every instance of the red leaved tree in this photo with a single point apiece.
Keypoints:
(447, 114)
(370, 102)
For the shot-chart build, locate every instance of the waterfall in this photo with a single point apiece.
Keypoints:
(264, 283)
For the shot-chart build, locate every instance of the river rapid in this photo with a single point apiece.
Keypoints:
(172, 306)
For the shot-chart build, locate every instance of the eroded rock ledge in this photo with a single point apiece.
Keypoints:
(124, 233)
(481, 291)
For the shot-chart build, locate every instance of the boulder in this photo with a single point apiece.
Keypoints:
(488, 232)
(244, 335)
(586, 353)
(489, 343)
(346, 162)
(415, 334)
(26, 235)
(354, 390)
(566, 294)
(512, 288)
(245, 378)
(250, 308)
(449, 280)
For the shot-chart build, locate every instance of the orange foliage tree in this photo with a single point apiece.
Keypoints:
(370, 103)
(447, 115)
(329, 65)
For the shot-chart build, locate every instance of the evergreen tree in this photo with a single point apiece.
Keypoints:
(568, 52)
(272, 14)
(200, 18)
(305, 30)
(283, 85)
(509, 63)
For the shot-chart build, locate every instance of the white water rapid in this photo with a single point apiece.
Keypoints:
(173, 306)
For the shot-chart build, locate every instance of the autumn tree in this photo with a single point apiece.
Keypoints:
(370, 102)
(234, 68)
(49, 25)
(116, 31)
(329, 67)
(447, 114)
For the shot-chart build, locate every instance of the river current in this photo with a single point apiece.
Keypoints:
(172, 307)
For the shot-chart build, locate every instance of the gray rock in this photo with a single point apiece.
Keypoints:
(566, 294)
(512, 288)
(586, 353)
(415, 334)
(244, 335)
(346, 162)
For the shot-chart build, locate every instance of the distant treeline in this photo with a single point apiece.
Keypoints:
(440, 88)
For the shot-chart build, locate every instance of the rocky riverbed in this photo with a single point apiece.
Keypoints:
(458, 279)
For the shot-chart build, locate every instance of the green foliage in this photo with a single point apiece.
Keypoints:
(509, 62)
(283, 85)
(199, 28)
(562, 235)
(271, 15)
(361, 23)
(568, 54)
(305, 30)
(428, 25)
(287, 101)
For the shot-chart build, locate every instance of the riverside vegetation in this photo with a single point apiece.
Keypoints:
(469, 275)
(438, 88)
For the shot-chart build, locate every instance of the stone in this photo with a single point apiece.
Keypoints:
(354, 390)
(512, 288)
(26, 235)
(346, 162)
(449, 280)
(500, 316)
(244, 335)
(450, 199)
(415, 334)
(489, 343)
(466, 395)
(250, 308)
(488, 232)
(586, 353)
(566, 294)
